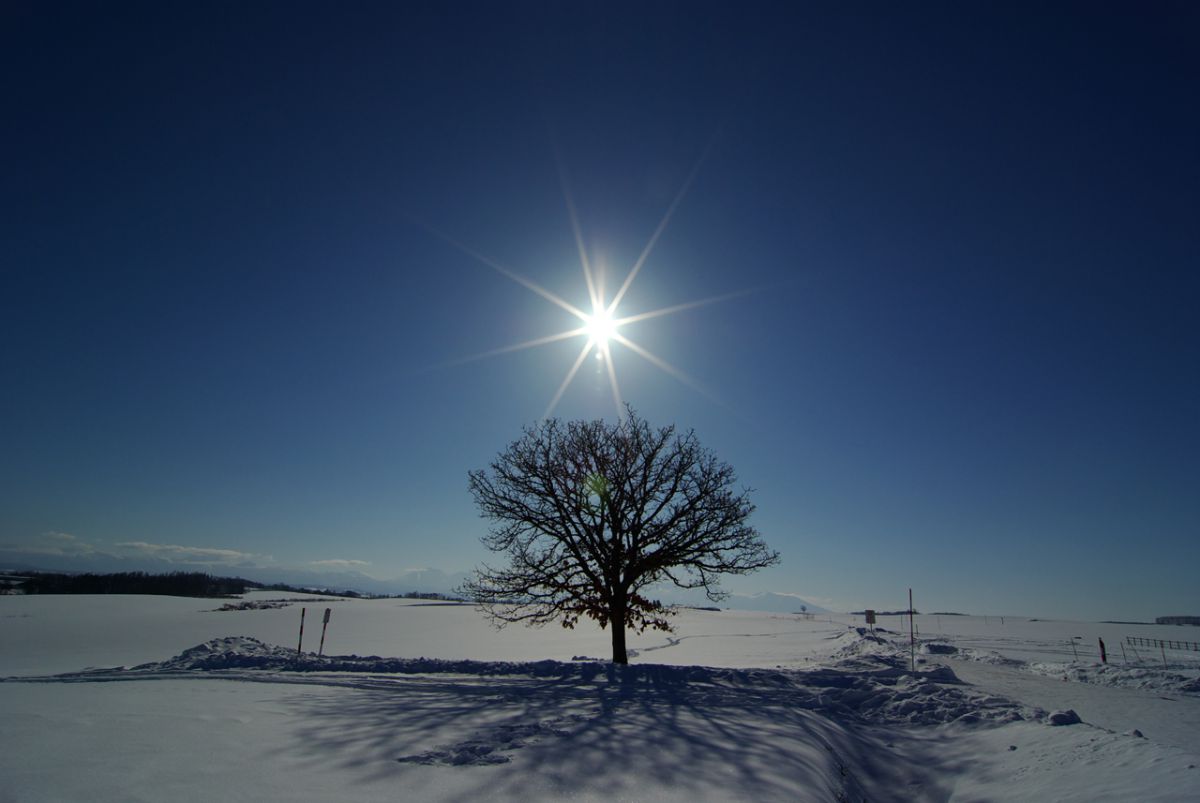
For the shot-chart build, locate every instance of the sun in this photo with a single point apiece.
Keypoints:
(600, 328)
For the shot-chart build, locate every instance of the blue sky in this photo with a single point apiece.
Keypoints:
(966, 362)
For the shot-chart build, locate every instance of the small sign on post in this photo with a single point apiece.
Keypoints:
(870, 616)
(324, 625)
(300, 644)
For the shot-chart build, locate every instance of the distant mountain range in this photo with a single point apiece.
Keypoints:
(415, 580)
(435, 580)
(770, 601)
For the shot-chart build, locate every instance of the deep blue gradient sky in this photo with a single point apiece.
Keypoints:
(969, 363)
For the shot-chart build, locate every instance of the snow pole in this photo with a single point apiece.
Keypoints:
(1164, 654)
(912, 637)
(1124, 657)
(300, 643)
(1103, 652)
(324, 625)
(1074, 650)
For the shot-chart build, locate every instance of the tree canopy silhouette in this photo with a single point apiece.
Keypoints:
(591, 514)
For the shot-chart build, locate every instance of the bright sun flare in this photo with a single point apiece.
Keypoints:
(599, 329)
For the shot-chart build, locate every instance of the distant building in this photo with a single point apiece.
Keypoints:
(1177, 620)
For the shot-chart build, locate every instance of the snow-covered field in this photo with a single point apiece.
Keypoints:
(123, 698)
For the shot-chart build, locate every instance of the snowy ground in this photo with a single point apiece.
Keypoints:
(153, 698)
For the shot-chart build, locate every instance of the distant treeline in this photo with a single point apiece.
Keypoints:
(431, 595)
(294, 589)
(885, 613)
(175, 584)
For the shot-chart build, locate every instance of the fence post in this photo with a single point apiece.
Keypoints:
(300, 643)
(1164, 654)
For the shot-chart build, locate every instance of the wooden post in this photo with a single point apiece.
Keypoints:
(1074, 650)
(1164, 654)
(300, 643)
(324, 625)
(1124, 657)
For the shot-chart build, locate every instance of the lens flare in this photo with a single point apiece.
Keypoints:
(600, 328)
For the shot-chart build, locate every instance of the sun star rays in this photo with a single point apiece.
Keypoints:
(600, 328)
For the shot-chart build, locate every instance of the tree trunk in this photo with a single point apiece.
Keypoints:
(617, 621)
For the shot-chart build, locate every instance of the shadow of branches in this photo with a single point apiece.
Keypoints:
(605, 730)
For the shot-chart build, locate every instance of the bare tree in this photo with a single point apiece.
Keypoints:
(590, 514)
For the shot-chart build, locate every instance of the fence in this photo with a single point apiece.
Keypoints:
(1163, 645)
(1167, 644)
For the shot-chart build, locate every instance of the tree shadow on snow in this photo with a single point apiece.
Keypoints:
(625, 732)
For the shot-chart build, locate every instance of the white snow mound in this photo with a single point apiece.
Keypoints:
(869, 681)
